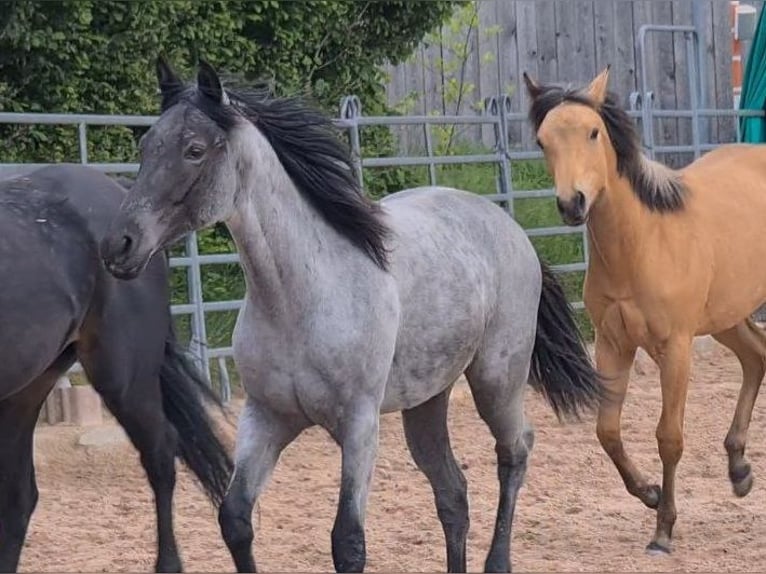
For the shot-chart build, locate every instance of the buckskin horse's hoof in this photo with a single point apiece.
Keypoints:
(742, 480)
(651, 496)
(656, 549)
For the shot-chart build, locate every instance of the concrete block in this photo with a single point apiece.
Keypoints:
(84, 405)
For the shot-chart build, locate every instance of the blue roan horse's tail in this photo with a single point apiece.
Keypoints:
(561, 369)
(184, 394)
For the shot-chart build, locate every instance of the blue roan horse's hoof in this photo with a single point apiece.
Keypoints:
(742, 481)
(655, 549)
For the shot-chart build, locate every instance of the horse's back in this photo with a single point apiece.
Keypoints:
(52, 220)
(462, 266)
(48, 278)
(720, 233)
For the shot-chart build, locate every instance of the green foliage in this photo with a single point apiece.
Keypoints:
(96, 56)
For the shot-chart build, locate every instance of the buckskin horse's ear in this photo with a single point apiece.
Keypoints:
(597, 89)
(167, 79)
(533, 88)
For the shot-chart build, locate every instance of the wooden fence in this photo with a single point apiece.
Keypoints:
(571, 41)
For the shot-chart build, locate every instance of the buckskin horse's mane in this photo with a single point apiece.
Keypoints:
(655, 185)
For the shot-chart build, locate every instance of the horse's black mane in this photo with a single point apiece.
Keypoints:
(315, 158)
(656, 186)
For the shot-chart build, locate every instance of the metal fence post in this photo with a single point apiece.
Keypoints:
(82, 138)
(498, 108)
(198, 343)
(429, 153)
(695, 88)
(647, 122)
(506, 171)
(351, 110)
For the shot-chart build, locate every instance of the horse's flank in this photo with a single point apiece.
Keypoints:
(666, 271)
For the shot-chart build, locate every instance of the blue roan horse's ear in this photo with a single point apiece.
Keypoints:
(166, 77)
(208, 82)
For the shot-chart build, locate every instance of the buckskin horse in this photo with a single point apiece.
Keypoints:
(674, 254)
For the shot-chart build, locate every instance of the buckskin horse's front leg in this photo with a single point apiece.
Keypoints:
(615, 365)
(674, 362)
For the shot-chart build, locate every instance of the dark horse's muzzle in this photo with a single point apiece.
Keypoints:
(572, 210)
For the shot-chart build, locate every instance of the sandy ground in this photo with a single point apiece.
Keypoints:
(96, 511)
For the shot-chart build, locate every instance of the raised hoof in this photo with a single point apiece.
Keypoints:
(743, 486)
(656, 549)
(651, 496)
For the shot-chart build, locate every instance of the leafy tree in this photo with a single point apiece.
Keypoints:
(96, 56)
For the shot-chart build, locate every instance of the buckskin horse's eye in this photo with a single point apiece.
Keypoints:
(539, 143)
(593, 134)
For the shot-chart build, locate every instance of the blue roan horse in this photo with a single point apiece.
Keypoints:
(57, 305)
(353, 308)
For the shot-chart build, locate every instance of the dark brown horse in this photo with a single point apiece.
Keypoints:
(57, 305)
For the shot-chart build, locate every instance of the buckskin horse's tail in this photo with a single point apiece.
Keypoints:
(184, 394)
(561, 369)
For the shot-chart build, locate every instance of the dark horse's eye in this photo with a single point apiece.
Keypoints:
(594, 134)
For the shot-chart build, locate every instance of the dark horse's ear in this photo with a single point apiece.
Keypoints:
(166, 76)
(534, 89)
(208, 82)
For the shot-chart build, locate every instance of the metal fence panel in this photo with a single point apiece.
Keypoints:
(497, 115)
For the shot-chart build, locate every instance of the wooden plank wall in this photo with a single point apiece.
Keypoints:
(571, 41)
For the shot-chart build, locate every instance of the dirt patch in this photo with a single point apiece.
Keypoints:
(96, 511)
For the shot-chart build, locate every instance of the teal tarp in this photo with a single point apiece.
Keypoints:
(753, 96)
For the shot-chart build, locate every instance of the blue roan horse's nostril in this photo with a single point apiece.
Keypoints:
(127, 244)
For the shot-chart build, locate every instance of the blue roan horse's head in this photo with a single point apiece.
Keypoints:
(211, 147)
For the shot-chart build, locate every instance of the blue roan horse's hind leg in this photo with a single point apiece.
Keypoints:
(262, 435)
(425, 427)
(498, 385)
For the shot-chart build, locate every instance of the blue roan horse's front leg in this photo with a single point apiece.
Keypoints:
(358, 438)
(262, 435)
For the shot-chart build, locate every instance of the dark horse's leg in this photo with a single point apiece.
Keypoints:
(130, 388)
(425, 427)
(18, 490)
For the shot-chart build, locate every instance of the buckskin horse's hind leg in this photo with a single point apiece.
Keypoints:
(748, 343)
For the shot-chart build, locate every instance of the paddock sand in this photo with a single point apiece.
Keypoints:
(96, 512)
